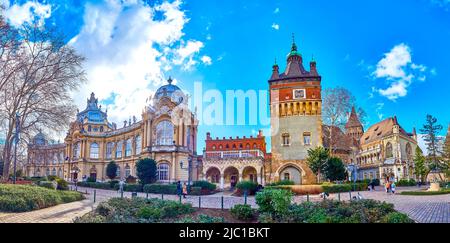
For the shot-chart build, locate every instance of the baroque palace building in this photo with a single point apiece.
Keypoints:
(167, 133)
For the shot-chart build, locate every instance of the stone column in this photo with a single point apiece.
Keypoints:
(222, 181)
(259, 178)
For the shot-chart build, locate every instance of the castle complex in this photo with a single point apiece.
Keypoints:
(167, 133)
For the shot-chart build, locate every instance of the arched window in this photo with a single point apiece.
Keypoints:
(127, 171)
(214, 147)
(285, 139)
(77, 150)
(255, 146)
(54, 172)
(109, 150)
(47, 172)
(55, 158)
(163, 172)
(389, 153)
(119, 149)
(164, 133)
(247, 146)
(138, 142)
(220, 147)
(94, 151)
(60, 175)
(38, 172)
(128, 148)
(89, 128)
(408, 151)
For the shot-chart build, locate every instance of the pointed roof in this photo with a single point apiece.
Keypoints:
(294, 67)
(353, 120)
(382, 129)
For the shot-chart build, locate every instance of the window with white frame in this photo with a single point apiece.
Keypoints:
(307, 138)
(138, 142)
(119, 149)
(94, 150)
(164, 133)
(286, 139)
(109, 150)
(128, 148)
(163, 172)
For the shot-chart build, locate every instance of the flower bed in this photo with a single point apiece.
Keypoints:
(21, 198)
(275, 207)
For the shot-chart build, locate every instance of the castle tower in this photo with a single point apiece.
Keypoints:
(354, 128)
(296, 118)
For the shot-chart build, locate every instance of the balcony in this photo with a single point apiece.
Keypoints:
(235, 154)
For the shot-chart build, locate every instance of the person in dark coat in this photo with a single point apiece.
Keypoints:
(179, 188)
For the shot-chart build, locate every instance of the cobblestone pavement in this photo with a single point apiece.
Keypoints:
(63, 213)
(423, 209)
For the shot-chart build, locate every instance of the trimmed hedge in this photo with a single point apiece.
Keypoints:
(404, 182)
(161, 189)
(248, 186)
(53, 185)
(130, 187)
(337, 188)
(204, 185)
(97, 185)
(21, 198)
(282, 183)
(242, 212)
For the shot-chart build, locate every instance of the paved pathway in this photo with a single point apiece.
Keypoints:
(424, 209)
(63, 213)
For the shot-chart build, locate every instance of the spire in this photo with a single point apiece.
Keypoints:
(170, 80)
(353, 120)
(294, 46)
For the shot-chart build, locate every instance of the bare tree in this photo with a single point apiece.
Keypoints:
(39, 72)
(337, 104)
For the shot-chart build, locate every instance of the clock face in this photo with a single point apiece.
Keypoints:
(299, 94)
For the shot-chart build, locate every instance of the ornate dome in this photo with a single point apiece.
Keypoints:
(171, 91)
(39, 139)
(92, 112)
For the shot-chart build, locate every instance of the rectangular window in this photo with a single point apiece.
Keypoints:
(286, 139)
(307, 138)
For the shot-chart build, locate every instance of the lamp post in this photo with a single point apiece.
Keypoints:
(353, 169)
(16, 140)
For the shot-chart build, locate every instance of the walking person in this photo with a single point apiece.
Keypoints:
(184, 190)
(393, 187)
(387, 186)
(179, 188)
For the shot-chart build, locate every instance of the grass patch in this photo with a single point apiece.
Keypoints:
(426, 193)
(25, 198)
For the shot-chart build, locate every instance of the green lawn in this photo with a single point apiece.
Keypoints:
(426, 193)
(24, 198)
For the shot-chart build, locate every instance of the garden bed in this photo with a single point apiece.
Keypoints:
(22, 198)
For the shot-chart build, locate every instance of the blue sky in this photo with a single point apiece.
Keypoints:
(392, 55)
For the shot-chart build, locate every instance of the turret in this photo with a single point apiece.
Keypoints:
(275, 71)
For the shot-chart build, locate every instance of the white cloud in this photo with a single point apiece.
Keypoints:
(379, 108)
(399, 71)
(277, 10)
(185, 54)
(275, 26)
(207, 60)
(28, 12)
(128, 51)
